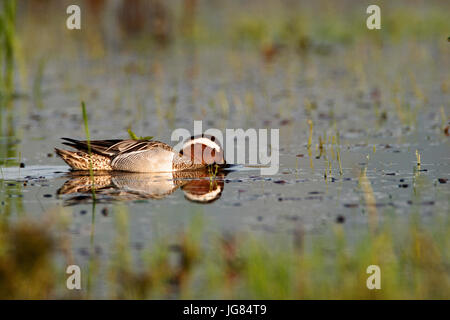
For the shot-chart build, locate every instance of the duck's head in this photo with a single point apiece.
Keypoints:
(204, 150)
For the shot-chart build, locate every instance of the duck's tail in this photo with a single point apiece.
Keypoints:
(82, 161)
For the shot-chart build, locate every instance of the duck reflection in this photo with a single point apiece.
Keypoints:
(202, 186)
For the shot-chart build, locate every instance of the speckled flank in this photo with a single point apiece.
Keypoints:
(80, 160)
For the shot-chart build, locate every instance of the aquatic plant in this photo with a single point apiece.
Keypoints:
(134, 137)
(88, 139)
(86, 129)
(418, 158)
(338, 154)
(7, 47)
(310, 137)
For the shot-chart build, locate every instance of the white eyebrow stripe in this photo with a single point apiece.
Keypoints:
(204, 141)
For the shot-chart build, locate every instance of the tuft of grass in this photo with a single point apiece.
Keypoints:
(7, 47)
(37, 84)
(418, 157)
(338, 152)
(133, 136)
(339, 161)
(86, 128)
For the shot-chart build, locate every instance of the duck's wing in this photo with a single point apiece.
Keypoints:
(113, 148)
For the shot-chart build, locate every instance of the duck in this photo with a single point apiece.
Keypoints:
(144, 155)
